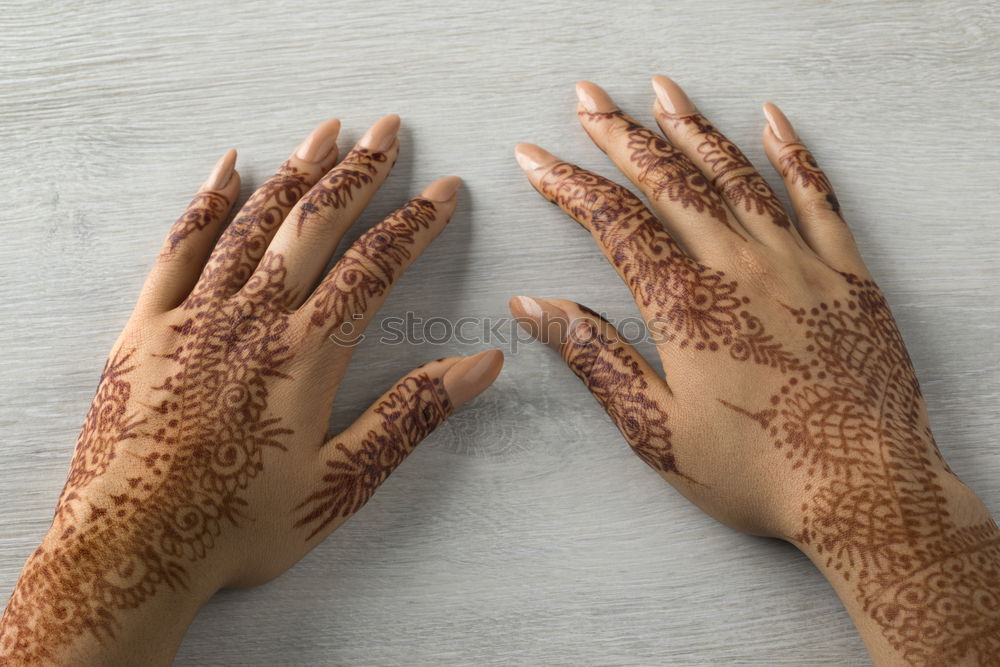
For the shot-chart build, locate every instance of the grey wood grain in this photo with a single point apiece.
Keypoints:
(524, 531)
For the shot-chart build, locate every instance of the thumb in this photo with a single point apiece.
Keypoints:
(631, 392)
(361, 457)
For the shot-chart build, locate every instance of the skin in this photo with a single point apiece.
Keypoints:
(204, 461)
(790, 407)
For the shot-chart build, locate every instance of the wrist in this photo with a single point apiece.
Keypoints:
(918, 569)
(85, 598)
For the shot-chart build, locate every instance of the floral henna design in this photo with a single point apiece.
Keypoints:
(732, 173)
(799, 167)
(204, 209)
(667, 171)
(243, 243)
(876, 510)
(614, 378)
(369, 268)
(187, 467)
(337, 188)
(408, 414)
(686, 303)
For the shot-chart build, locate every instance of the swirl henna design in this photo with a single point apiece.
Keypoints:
(684, 302)
(732, 173)
(613, 376)
(369, 268)
(666, 171)
(338, 187)
(244, 242)
(406, 415)
(204, 210)
(188, 465)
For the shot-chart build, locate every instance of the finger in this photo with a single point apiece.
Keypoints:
(242, 245)
(745, 191)
(318, 222)
(817, 210)
(678, 191)
(653, 266)
(357, 461)
(351, 294)
(191, 237)
(631, 392)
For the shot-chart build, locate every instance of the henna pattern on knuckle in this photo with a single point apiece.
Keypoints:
(205, 209)
(407, 415)
(245, 240)
(799, 167)
(369, 267)
(667, 172)
(185, 451)
(732, 173)
(337, 188)
(613, 376)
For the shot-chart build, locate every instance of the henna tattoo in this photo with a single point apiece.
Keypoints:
(244, 242)
(183, 461)
(204, 209)
(732, 173)
(614, 378)
(667, 171)
(407, 414)
(799, 167)
(337, 188)
(369, 268)
(876, 510)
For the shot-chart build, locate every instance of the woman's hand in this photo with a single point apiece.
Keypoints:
(202, 463)
(791, 409)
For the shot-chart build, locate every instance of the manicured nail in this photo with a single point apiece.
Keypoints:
(320, 142)
(469, 377)
(533, 158)
(593, 98)
(780, 125)
(443, 189)
(381, 135)
(221, 172)
(542, 320)
(670, 96)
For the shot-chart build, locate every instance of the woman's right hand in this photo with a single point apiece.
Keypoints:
(791, 409)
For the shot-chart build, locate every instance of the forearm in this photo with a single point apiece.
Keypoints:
(921, 588)
(78, 603)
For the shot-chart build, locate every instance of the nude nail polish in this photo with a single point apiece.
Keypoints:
(471, 376)
(781, 127)
(320, 142)
(670, 96)
(381, 135)
(533, 158)
(442, 190)
(542, 320)
(221, 172)
(593, 99)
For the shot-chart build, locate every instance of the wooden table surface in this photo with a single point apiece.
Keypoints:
(524, 531)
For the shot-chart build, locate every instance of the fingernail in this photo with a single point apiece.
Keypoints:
(532, 158)
(380, 136)
(670, 96)
(221, 172)
(780, 125)
(320, 142)
(542, 320)
(471, 376)
(593, 98)
(442, 190)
